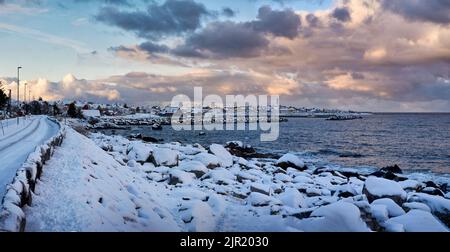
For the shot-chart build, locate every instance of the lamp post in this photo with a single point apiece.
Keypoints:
(18, 88)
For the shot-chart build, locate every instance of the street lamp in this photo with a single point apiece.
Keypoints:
(18, 88)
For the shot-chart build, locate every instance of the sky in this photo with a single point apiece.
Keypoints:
(369, 55)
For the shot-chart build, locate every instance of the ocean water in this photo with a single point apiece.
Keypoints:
(415, 142)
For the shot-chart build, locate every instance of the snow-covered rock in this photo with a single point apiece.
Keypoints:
(416, 205)
(259, 200)
(260, 188)
(293, 198)
(393, 209)
(165, 157)
(292, 161)
(377, 188)
(337, 217)
(418, 221)
(139, 151)
(225, 158)
(209, 160)
(196, 167)
(180, 177)
(411, 184)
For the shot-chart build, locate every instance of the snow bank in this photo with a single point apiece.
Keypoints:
(19, 193)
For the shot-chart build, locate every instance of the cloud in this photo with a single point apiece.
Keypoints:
(173, 17)
(342, 14)
(437, 11)
(284, 23)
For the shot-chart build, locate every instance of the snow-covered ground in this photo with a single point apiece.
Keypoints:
(19, 141)
(112, 184)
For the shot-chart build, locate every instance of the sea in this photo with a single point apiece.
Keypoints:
(413, 141)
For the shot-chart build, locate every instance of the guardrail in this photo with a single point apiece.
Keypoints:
(19, 192)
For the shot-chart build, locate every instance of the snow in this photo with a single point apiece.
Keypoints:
(418, 221)
(291, 158)
(337, 217)
(381, 187)
(225, 158)
(19, 142)
(394, 210)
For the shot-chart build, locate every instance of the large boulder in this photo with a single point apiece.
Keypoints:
(439, 206)
(393, 209)
(378, 188)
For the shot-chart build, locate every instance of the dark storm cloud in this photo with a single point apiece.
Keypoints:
(224, 39)
(284, 23)
(342, 14)
(171, 17)
(153, 48)
(228, 12)
(241, 39)
(437, 11)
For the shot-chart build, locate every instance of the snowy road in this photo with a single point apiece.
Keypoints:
(18, 142)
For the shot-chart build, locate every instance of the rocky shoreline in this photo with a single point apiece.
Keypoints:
(294, 194)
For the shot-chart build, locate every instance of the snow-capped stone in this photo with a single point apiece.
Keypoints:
(292, 161)
(283, 177)
(260, 188)
(416, 205)
(418, 221)
(411, 184)
(139, 151)
(380, 213)
(337, 217)
(196, 167)
(394, 210)
(377, 188)
(437, 204)
(180, 177)
(225, 158)
(259, 200)
(209, 160)
(220, 176)
(165, 157)
(293, 198)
